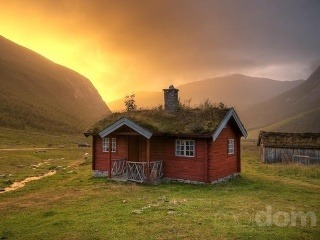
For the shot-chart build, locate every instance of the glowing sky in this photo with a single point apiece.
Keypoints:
(129, 46)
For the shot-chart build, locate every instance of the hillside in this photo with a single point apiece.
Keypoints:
(295, 110)
(234, 90)
(37, 93)
(143, 100)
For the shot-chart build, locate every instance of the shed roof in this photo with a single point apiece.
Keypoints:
(290, 140)
(189, 121)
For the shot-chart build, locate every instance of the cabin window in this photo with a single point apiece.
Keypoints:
(185, 148)
(230, 146)
(105, 145)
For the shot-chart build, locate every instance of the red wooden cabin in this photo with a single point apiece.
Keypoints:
(197, 145)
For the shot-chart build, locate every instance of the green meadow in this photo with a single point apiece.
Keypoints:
(262, 203)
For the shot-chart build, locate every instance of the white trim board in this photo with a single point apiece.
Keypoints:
(223, 123)
(125, 121)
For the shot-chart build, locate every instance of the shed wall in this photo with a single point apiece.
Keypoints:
(276, 155)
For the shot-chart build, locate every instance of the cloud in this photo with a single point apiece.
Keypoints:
(151, 43)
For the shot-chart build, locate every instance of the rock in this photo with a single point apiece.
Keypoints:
(171, 212)
(163, 198)
(175, 201)
(3, 176)
(124, 201)
(8, 182)
(137, 211)
(40, 151)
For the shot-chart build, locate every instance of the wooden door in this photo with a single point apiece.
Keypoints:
(134, 146)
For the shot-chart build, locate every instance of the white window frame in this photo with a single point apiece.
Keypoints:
(105, 144)
(185, 148)
(230, 146)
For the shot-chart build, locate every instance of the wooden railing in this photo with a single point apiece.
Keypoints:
(118, 167)
(156, 170)
(137, 171)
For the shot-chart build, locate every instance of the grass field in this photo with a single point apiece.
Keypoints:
(73, 205)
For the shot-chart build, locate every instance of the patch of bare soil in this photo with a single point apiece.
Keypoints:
(17, 185)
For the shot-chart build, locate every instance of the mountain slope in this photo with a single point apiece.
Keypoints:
(143, 100)
(295, 110)
(234, 90)
(37, 93)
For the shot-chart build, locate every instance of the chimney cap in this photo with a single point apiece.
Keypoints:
(171, 88)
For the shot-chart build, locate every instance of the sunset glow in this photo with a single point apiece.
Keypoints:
(128, 47)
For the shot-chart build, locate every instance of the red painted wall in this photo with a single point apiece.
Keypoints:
(101, 159)
(187, 168)
(221, 163)
(211, 160)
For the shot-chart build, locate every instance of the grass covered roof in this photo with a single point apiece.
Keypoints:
(201, 121)
(291, 140)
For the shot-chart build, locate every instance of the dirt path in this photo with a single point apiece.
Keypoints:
(17, 185)
(25, 149)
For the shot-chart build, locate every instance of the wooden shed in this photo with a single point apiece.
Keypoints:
(281, 147)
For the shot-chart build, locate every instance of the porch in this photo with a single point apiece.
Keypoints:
(124, 170)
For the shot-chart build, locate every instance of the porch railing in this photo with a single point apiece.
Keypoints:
(156, 170)
(119, 167)
(137, 171)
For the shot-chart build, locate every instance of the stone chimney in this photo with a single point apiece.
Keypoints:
(171, 101)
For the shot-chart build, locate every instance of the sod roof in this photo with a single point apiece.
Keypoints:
(190, 121)
(290, 140)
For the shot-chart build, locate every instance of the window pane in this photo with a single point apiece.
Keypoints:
(230, 146)
(114, 145)
(185, 147)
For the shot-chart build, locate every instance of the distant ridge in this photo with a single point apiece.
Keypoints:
(296, 110)
(37, 93)
(235, 90)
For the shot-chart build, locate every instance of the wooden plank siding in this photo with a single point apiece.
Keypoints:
(277, 155)
(102, 158)
(223, 164)
(187, 168)
(210, 162)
